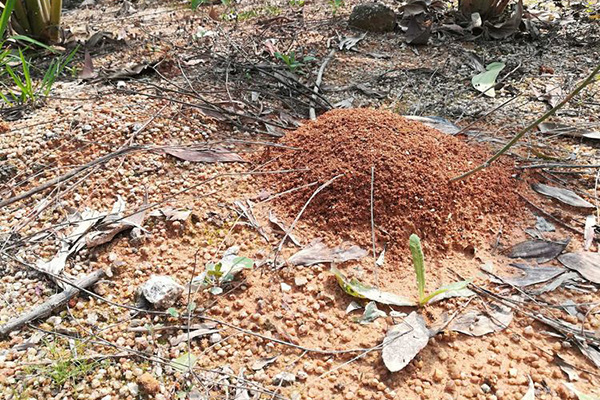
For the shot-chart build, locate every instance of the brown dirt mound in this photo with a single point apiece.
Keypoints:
(412, 189)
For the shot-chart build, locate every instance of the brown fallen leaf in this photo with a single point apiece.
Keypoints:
(87, 72)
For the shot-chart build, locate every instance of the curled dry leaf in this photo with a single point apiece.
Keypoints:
(530, 395)
(507, 28)
(580, 395)
(208, 330)
(404, 341)
(565, 196)
(371, 313)
(317, 252)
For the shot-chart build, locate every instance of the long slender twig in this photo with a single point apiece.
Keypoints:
(532, 125)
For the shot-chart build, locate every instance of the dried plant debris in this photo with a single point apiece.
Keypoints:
(282, 228)
(589, 232)
(563, 280)
(586, 263)
(317, 252)
(531, 275)
(348, 42)
(530, 395)
(246, 210)
(355, 288)
(371, 313)
(552, 128)
(567, 368)
(507, 28)
(479, 323)
(171, 214)
(541, 250)
(565, 196)
(208, 329)
(404, 341)
(115, 223)
(206, 155)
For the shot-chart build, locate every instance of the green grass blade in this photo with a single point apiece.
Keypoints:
(26, 74)
(30, 40)
(419, 263)
(9, 5)
(447, 288)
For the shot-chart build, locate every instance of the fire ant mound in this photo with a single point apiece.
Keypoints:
(413, 165)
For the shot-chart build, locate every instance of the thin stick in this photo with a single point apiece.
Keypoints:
(311, 112)
(289, 231)
(373, 221)
(529, 127)
(552, 217)
(558, 165)
(52, 303)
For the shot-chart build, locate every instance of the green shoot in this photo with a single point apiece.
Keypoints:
(292, 63)
(419, 265)
(336, 5)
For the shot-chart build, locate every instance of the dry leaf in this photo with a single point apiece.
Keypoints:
(541, 250)
(215, 154)
(317, 252)
(404, 341)
(586, 263)
(565, 196)
(478, 323)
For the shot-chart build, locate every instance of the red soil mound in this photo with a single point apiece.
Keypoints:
(412, 189)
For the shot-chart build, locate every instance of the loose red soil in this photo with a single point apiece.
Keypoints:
(412, 188)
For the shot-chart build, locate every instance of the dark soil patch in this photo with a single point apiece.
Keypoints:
(412, 189)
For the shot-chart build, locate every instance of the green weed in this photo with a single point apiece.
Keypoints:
(293, 64)
(336, 5)
(419, 264)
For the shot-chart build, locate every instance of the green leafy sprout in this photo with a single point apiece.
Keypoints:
(416, 250)
(294, 65)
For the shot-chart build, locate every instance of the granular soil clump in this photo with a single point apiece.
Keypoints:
(412, 189)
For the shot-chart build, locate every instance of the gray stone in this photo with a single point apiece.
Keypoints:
(373, 17)
(161, 291)
(284, 379)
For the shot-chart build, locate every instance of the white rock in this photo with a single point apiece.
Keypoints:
(284, 378)
(162, 291)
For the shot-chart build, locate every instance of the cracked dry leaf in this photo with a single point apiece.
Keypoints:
(355, 288)
(404, 341)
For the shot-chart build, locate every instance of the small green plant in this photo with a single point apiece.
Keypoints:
(336, 5)
(292, 63)
(419, 264)
(23, 89)
(296, 3)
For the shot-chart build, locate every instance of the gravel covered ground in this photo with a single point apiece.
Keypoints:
(212, 87)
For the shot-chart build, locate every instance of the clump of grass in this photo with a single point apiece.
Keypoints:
(416, 250)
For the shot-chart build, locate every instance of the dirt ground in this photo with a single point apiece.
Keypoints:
(171, 81)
